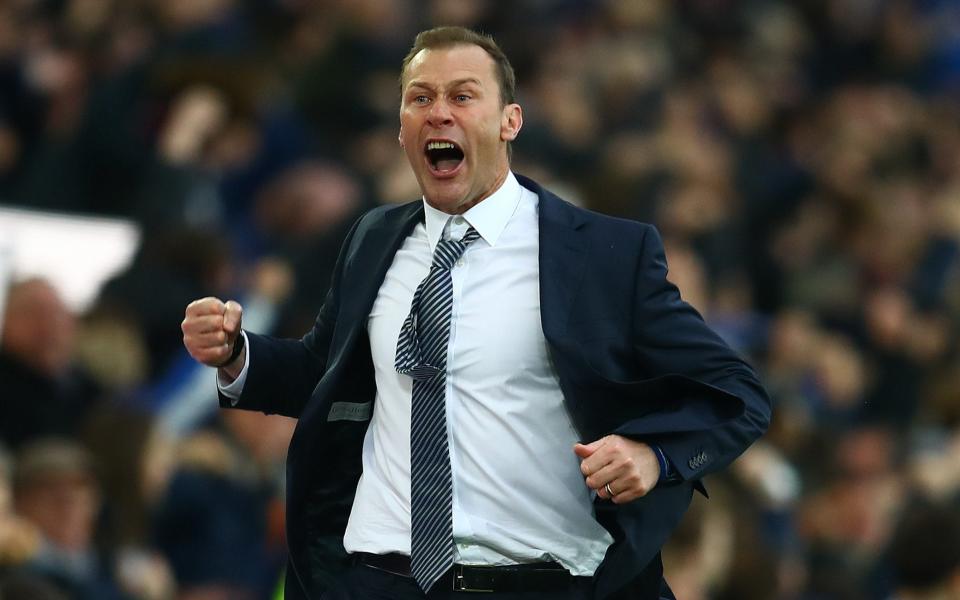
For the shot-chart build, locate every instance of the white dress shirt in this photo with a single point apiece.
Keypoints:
(518, 494)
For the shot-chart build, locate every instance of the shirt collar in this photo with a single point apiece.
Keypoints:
(489, 216)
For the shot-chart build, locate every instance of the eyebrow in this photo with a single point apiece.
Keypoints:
(454, 84)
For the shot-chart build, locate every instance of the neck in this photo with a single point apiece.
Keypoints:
(497, 183)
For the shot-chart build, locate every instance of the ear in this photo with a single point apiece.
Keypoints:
(400, 136)
(511, 122)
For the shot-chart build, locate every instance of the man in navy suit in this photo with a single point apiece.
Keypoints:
(581, 400)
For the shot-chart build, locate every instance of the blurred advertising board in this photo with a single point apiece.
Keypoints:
(76, 253)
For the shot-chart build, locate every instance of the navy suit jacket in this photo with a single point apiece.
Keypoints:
(631, 356)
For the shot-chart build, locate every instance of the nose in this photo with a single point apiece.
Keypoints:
(439, 114)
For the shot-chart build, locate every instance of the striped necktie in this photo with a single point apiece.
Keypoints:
(422, 354)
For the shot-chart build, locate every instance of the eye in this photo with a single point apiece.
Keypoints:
(421, 99)
(462, 98)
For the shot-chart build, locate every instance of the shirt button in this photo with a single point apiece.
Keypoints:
(458, 220)
(459, 262)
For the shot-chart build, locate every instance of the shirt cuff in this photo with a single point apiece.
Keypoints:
(233, 389)
(667, 473)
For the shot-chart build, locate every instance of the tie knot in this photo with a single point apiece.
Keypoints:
(449, 251)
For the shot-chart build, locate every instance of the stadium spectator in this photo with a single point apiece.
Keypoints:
(217, 523)
(44, 391)
(55, 489)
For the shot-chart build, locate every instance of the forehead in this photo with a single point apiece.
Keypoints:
(440, 65)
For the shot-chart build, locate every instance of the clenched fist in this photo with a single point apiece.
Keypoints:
(210, 329)
(618, 468)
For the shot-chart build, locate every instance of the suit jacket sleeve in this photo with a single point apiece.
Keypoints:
(284, 372)
(670, 337)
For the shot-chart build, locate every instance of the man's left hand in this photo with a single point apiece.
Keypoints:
(629, 467)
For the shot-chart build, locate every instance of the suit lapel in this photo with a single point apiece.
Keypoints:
(563, 252)
(369, 260)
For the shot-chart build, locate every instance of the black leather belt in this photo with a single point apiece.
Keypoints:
(530, 577)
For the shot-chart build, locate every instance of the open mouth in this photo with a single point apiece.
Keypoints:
(444, 156)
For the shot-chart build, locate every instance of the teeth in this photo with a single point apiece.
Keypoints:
(440, 146)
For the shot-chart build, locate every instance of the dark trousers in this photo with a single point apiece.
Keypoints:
(361, 582)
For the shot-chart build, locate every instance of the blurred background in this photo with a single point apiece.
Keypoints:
(801, 158)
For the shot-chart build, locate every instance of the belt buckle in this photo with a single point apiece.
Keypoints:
(458, 581)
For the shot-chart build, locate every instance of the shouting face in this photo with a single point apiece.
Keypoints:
(454, 127)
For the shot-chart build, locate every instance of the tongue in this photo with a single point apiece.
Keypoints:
(447, 164)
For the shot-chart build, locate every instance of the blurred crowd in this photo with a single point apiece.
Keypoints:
(801, 159)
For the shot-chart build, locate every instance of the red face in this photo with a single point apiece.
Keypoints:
(454, 128)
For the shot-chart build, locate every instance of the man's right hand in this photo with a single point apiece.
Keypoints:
(210, 328)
